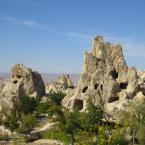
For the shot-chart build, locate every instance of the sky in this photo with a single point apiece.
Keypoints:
(51, 36)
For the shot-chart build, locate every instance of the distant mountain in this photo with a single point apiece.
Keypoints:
(46, 77)
(53, 77)
(4, 76)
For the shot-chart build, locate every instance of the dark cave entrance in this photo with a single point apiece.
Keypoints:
(123, 85)
(78, 104)
(84, 89)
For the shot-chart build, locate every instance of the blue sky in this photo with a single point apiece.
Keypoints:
(51, 36)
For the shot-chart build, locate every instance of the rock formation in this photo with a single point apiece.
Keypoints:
(24, 82)
(63, 84)
(106, 80)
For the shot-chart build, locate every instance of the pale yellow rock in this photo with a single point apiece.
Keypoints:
(105, 79)
(139, 98)
(23, 82)
(63, 84)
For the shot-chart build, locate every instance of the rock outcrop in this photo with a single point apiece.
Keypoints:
(24, 82)
(63, 84)
(106, 80)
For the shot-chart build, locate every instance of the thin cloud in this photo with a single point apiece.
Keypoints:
(26, 23)
(29, 23)
(82, 36)
(135, 50)
(130, 45)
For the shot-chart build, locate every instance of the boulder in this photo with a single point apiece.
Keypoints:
(23, 82)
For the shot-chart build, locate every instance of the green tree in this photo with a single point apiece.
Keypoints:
(27, 104)
(43, 108)
(68, 122)
(134, 119)
(28, 123)
(11, 122)
(57, 98)
(92, 118)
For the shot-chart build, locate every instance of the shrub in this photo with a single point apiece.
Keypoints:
(27, 104)
(134, 119)
(57, 134)
(83, 138)
(118, 136)
(69, 123)
(57, 98)
(91, 119)
(43, 108)
(28, 123)
(141, 134)
(102, 135)
(11, 122)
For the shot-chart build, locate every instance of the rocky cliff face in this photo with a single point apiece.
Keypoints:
(23, 82)
(63, 84)
(106, 80)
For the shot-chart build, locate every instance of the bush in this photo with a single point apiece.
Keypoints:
(57, 98)
(141, 134)
(11, 122)
(68, 122)
(43, 108)
(57, 134)
(91, 120)
(102, 135)
(135, 121)
(27, 104)
(83, 138)
(118, 136)
(88, 121)
(28, 123)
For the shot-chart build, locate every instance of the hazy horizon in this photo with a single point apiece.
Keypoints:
(52, 36)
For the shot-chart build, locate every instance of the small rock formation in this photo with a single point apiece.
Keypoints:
(24, 82)
(63, 84)
(32, 82)
(106, 80)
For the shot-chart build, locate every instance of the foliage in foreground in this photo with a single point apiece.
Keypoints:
(57, 134)
(134, 122)
(87, 128)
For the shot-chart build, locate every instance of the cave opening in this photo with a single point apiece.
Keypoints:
(123, 85)
(78, 105)
(96, 86)
(101, 87)
(15, 82)
(19, 76)
(113, 99)
(114, 74)
(84, 89)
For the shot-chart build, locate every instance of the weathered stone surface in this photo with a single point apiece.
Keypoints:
(105, 79)
(23, 82)
(141, 79)
(63, 84)
(33, 84)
